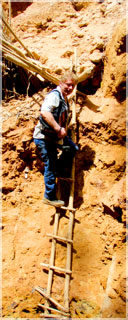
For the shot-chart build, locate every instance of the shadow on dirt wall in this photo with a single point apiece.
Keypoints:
(84, 161)
(19, 6)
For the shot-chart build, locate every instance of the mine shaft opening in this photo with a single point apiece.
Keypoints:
(92, 84)
(17, 81)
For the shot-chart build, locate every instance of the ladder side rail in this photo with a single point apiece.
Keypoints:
(70, 232)
(53, 301)
(71, 200)
(52, 258)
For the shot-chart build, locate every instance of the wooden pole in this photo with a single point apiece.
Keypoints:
(31, 67)
(10, 13)
(58, 305)
(52, 309)
(10, 29)
(8, 44)
(59, 238)
(46, 265)
(71, 215)
(52, 316)
(52, 258)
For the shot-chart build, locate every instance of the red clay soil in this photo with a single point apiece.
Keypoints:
(98, 282)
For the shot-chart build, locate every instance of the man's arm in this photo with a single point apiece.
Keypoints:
(48, 117)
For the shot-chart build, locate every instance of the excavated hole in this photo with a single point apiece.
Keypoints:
(91, 85)
(17, 81)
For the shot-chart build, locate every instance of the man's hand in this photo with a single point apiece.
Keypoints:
(62, 133)
(48, 117)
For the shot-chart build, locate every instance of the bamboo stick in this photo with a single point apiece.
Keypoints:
(71, 199)
(5, 29)
(33, 64)
(19, 62)
(12, 59)
(18, 51)
(10, 29)
(59, 238)
(23, 63)
(23, 59)
(45, 315)
(52, 258)
(46, 265)
(26, 65)
(68, 262)
(10, 13)
(6, 43)
(59, 306)
(66, 179)
(68, 208)
(52, 309)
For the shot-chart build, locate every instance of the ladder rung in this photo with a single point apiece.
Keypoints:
(52, 309)
(55, 268)
(40, 290)
(66, 179)
(68, 208)
(59, 238)
(47, 315)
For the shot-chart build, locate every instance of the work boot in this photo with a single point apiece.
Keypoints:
(55, 203)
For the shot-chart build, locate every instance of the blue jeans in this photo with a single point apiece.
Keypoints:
(48, 153)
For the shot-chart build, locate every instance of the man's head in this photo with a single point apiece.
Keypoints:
(67, 83)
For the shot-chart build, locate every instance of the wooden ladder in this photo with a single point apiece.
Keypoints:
(60, 310)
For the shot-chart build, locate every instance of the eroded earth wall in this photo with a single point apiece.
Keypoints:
(98, 283)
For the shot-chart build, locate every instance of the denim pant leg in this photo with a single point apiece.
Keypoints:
(73, 147)
(48, 154)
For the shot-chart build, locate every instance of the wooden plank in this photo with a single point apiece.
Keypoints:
(59, 306)
(55, 268)
(59, 238)
(52, 309)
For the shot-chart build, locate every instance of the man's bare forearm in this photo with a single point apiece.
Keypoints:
(48, 117)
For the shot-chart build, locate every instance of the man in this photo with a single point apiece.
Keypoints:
(51, 132)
